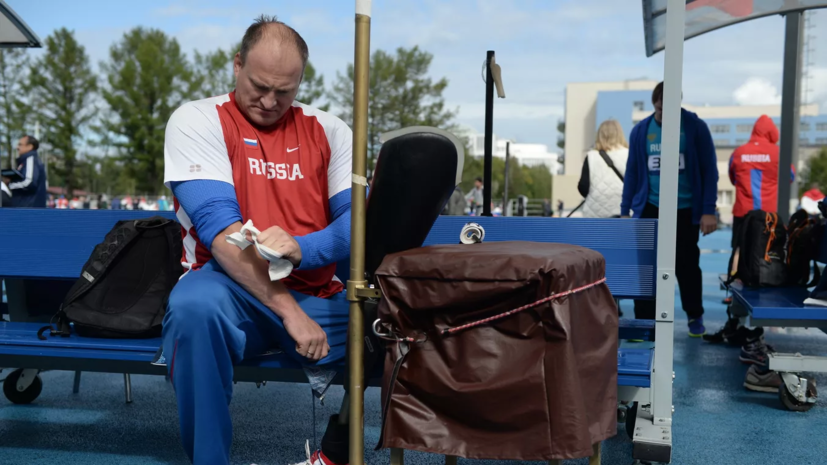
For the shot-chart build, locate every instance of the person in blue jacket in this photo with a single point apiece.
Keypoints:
(30, 191)
(697, 195)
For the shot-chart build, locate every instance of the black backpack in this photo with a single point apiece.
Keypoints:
(124, 286)
(804, 235)
(762, 258)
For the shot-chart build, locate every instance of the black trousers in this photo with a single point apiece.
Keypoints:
(687, 267)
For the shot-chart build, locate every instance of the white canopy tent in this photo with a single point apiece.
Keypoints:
(14, 32)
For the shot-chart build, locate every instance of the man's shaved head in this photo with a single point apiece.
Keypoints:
(268, 69)
(269, 27)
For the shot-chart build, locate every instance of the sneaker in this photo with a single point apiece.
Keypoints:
(696, 327)
(762, 380)
(743, 336)
(730, 328)
(316, 458)
(756, 353)
(727, 301)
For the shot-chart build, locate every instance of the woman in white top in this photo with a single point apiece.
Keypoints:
(601, 180)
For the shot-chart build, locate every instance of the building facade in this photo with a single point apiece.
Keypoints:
(629, 102)
(526, 154)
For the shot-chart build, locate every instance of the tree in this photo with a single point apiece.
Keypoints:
(148, 78)
(63, 89)
(13, 109)
(400, 95)
(815, 172)
(312, 88)
(213, 72)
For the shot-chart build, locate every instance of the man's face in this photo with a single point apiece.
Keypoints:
(658, 109)
(478, 184)
(23, 146)
(268, 82)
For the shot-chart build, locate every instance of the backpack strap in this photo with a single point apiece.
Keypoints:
(608, 160)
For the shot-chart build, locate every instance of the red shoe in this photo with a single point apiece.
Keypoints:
(316, 458)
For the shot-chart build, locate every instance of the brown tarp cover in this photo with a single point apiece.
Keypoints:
(540, 384)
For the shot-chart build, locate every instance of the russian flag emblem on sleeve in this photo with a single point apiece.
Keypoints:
(251, 142)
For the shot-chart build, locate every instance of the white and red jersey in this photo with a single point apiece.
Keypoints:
(283, 176)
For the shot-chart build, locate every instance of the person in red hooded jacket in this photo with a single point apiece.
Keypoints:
(753, 170)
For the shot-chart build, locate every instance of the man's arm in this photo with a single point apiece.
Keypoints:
(30, 178)
(213, 209)
(630, 181)
(709, 167)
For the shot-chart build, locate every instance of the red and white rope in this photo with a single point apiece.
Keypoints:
(524, 307)
(496, 317)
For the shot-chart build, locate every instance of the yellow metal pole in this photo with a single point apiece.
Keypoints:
(361, 65)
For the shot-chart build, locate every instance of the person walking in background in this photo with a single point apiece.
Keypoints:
(30, 191)
(601, 179)
(560, 208)
(475, 197)
(547, 208)
(697, 196)
(456, 203)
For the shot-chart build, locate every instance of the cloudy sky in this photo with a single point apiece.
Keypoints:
(540, 44)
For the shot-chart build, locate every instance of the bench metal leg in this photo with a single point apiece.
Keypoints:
(127, 384)
(76, 385)
(595, 458)
(450, 460)
(397, 457)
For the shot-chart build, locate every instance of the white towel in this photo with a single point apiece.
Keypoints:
(280, 268)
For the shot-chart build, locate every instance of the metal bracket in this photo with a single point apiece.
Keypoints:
(368, 292)
(797, 386)
(26, 378)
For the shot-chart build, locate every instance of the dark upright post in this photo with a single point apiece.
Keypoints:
(489, 135)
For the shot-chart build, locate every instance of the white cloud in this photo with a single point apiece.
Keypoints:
(757, 91)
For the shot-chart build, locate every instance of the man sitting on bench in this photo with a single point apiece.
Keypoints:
(255, 154)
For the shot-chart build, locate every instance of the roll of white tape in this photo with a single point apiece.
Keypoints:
(472, 233)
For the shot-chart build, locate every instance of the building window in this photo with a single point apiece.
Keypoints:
(720, 128)
(821, 126)
(741, 142)
(721, 142)
(804, 141)
(804, 127)
(821, 141)
(744, 128)
(638, 105)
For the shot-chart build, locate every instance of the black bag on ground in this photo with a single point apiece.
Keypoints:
(804, 235)
(762, 257)
(123, 288)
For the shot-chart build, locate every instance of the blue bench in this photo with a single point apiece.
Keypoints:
(54, 244)
(781, 306)
(784, 307)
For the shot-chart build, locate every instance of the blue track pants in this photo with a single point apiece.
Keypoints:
(211, 324)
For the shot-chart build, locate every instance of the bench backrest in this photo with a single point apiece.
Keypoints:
(47, 243)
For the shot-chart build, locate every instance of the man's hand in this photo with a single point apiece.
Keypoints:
(280, 241)
(6, 180)
(709, 223)
(311, 340)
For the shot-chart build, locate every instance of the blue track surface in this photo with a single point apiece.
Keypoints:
(716, 420)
